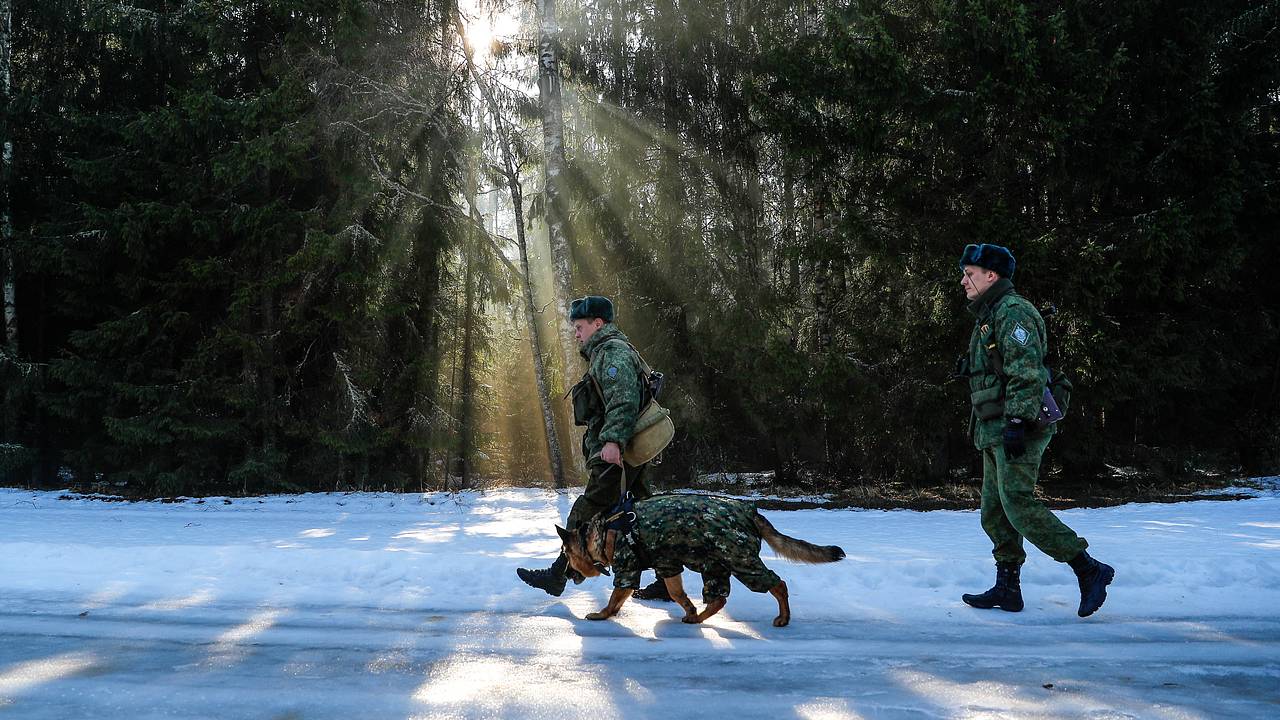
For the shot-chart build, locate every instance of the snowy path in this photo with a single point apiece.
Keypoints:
(382, 606)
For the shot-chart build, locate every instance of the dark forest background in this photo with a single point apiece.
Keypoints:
(258, 246)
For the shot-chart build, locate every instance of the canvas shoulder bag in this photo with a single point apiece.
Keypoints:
(654, 429)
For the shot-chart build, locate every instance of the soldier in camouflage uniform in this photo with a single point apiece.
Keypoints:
(607, 401)
(1007, 379)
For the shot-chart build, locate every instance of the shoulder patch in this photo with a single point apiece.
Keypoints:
(612, 371)
(1020, 334)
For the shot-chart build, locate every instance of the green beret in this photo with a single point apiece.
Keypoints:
(995, 258)
(592, 306)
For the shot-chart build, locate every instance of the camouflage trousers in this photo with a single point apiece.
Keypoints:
(1010, 510)
(604, 489)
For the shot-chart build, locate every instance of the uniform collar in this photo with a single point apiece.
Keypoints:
(987, 300)
(607, 332)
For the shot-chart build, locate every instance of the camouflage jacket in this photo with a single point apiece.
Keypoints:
(703, 533)
(1012, 324)
(613, 364)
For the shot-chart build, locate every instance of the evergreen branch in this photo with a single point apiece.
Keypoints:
(478, 225)
(357, 398)
(26, 368)
(400, 188)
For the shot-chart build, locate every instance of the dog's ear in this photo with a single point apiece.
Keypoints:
(565, 535)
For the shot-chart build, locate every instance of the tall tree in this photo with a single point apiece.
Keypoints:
(510, 174)
(553, 187)
(243, 261)
(251, 268)
(8, 317)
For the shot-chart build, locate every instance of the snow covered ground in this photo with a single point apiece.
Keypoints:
(407, 606)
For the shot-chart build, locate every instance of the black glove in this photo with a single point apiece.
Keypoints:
(1015, 438)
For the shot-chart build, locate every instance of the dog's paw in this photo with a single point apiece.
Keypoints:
(690, 620)
(597, 616)
(781, 621)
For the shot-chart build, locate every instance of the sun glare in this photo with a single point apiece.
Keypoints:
(487, 27)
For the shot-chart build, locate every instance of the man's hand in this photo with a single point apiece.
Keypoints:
(611, 453)
(1015, 438)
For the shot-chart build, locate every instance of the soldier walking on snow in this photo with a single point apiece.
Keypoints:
(1007, 381)
(607, 401)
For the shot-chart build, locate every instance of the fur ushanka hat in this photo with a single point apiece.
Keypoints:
(995, 258)
(592, 306)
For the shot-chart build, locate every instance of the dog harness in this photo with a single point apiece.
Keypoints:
(622, 520)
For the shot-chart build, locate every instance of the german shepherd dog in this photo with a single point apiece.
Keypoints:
(714, 536)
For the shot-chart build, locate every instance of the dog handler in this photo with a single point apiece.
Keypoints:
(607, 401)
(1007, 380)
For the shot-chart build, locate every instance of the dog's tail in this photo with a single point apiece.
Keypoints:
(796, 549)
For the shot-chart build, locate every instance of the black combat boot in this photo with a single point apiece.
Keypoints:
(551, 579)
(656, 590)
(1007, 593)
(1094, 578)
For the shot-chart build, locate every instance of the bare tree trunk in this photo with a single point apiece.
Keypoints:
(824, 295)
(466, 419)
(790, 258)
(748, 193)
(9, 318)
(470, 278)
(531, 325)
(267, 357)
(511, 174)
(553, 167)
(823, 275)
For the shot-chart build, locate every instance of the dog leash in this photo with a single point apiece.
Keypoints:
(623, 516)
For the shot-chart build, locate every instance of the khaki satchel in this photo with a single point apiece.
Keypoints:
(654, 429)
(654, 432)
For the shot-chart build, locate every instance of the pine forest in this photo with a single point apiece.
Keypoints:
(265, 246)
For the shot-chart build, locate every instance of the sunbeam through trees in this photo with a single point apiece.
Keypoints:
(279, 246)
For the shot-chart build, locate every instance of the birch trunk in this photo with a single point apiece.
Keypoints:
(553, 166)
(511, 175)
(9, 318)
